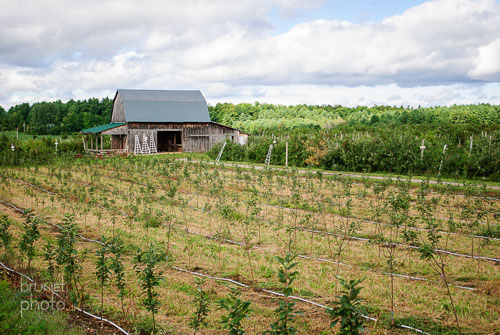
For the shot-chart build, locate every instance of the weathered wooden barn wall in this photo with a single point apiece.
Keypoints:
(122, 130)
(118, 137)
(118, 110)
(196, 137)
(200, 138)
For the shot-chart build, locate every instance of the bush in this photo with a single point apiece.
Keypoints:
(394, 149)
(35, 151)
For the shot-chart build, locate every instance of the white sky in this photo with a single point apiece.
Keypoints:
(352, 53)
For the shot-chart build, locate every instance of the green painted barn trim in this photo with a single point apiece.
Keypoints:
(101, 128)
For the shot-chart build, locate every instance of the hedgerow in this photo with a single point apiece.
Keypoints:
(381, 149)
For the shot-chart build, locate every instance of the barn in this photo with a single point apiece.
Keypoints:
(177, 120)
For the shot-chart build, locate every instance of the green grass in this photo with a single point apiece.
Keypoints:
(24, 136)
(424, 324)
(30, 321)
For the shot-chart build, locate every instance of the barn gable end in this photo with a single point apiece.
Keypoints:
(118, 114)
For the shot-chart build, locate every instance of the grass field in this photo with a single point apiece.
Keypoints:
(23, 136)
(30, 321)
(230, 223)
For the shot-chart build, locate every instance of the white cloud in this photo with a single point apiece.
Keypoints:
(395, 97)
(434, 43)
(448, 49)
(487, 62)
(368, 95)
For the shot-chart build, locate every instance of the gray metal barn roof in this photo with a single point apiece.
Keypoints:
(164, 106)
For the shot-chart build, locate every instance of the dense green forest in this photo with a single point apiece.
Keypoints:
(258, 118)
(56, 117)
(64, 118)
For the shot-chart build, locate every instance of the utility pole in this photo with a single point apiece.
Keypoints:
(471, 140)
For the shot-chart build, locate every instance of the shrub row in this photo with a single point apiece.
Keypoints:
(36, 151)
(394, 150)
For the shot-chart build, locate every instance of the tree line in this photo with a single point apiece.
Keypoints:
(260, 118)
(55, 118)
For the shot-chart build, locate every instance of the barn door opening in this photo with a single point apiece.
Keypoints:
(169, 141)
(118, 142)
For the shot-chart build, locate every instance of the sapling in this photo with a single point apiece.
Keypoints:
(131, 219)
(29, 236)
(296, 199)
(102, 268)
(5, 235)
(329, 203)
(52, 201)
(410, 237)
(184, 201)
(428, 252)
(344, 227)
(278, 225)
(169, 222)
(49, 254)
(319, 175)
(99, 216)
(281, 199)
(269, 191)
(202, 303)
(491, 230)
(238, 310)
(221, 235)
(470, 216)
(252, 212)
(348, 309)
(398, 208)
(480, 213)
(255, 212)
(189, 248)
(149, 277)
(379, 189)
(285, 313)
(171, 192)
(186, 175)
(67, 254)
(207, 208)
(197, 182)
(313, 219)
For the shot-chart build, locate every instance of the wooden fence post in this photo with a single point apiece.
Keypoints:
(286, 152)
